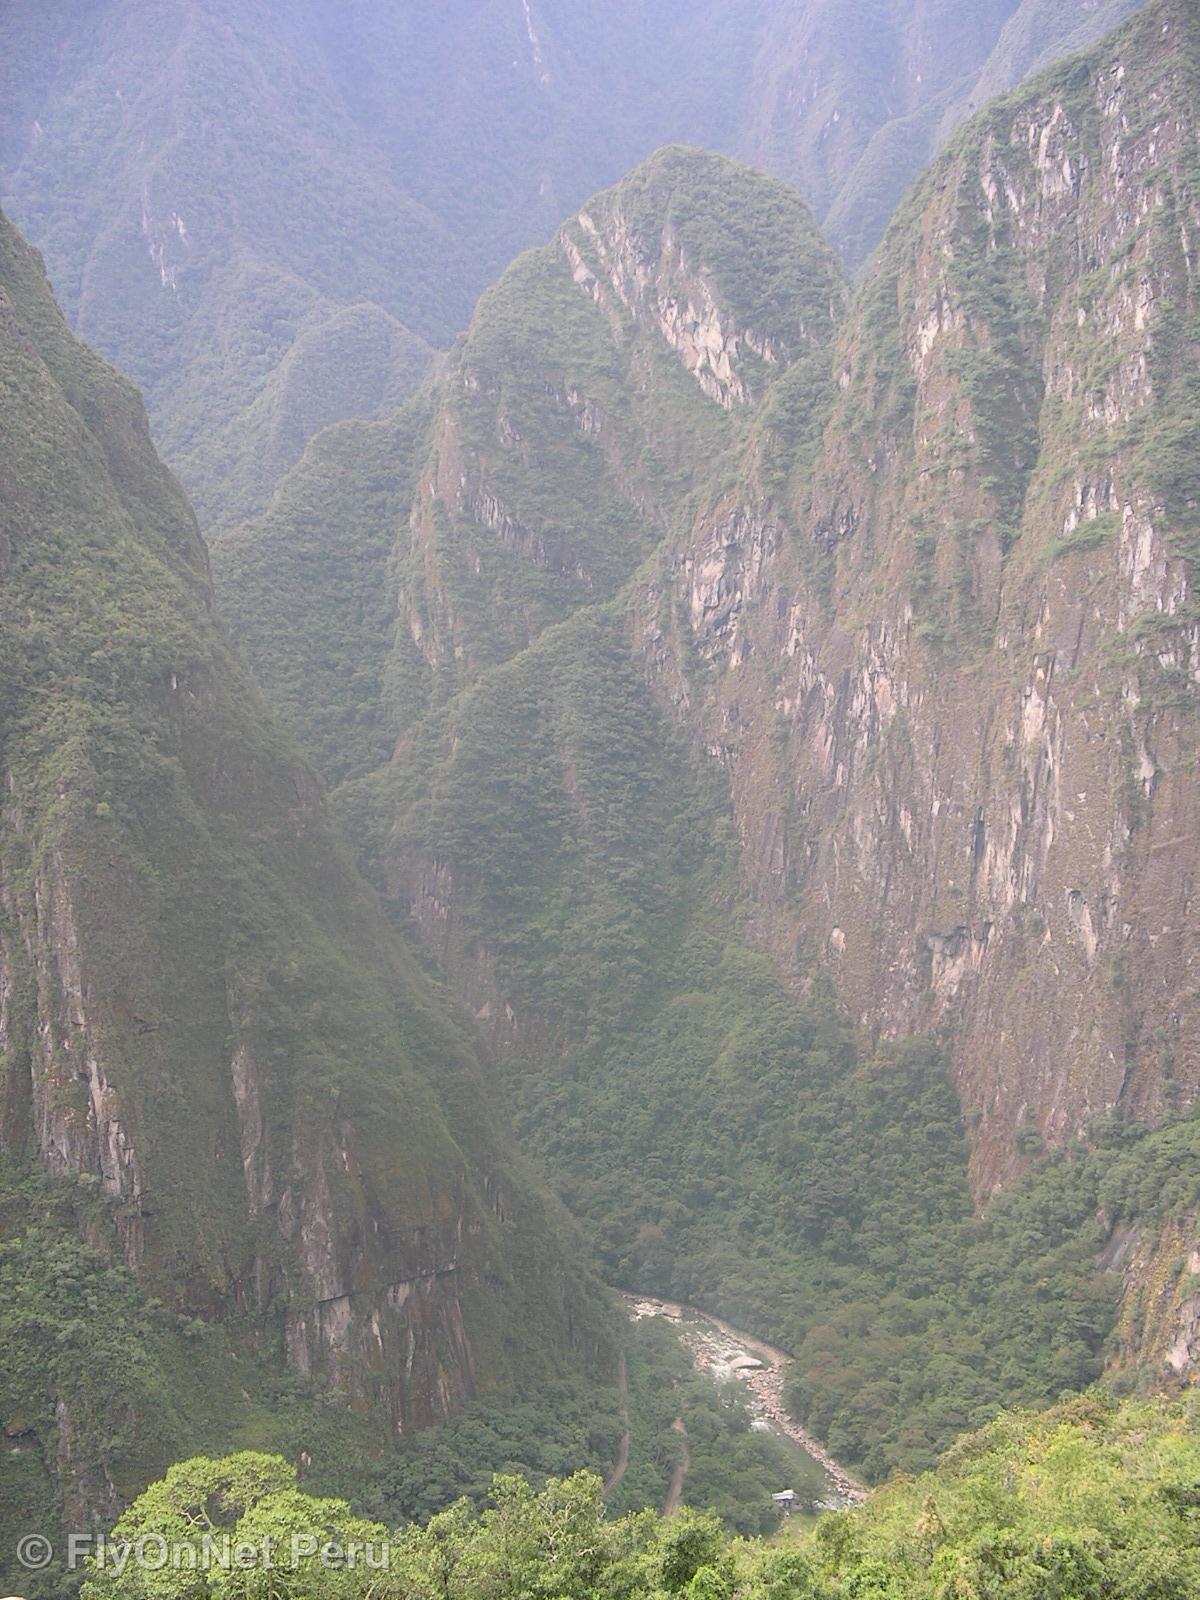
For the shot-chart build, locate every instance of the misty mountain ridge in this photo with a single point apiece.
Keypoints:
(316, 190)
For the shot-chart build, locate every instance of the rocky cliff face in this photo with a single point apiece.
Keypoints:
(956, 669)
(910, 584)
(202, 1013)
(947, 654)
(1160, 1322)
(949, 649)
(852, 104)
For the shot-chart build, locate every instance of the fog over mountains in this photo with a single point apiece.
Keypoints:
(264, 213)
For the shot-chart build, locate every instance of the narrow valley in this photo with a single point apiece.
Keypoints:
(625, 710)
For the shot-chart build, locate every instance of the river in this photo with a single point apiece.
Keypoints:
(725, 1353)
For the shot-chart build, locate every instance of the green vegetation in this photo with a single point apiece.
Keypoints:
(279, 365)
(97, 1367)
(719, 214)
(584, 437)
(1093, 533)
(576, 468)
(1010, 1307)
(1092, 1501)
(722, 1143)
(198, 971)
(585, 440)
(307, 591)
(225, 232)
(205, 1013)
(720, 1140)
(1036, 34)
(1169, 447)
(139, 1385)
(732, 1468)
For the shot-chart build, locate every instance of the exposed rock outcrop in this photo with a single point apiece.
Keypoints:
(956, 674)
(572, 424)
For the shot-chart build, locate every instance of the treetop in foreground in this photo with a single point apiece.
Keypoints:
(1097, 1499)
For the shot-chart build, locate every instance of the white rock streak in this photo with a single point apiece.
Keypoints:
(535, 44)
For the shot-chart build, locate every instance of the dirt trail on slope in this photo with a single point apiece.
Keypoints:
(675, 1488)
(621, 1465)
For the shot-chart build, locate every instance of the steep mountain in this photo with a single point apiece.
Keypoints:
(264, 214)
(597, 382)
(592, 811)
(851, 102)
(954, 669)
(236, 203)
(233, 1108)
(903, 694)
(308, 589)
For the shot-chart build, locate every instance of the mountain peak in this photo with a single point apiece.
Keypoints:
(728, 262)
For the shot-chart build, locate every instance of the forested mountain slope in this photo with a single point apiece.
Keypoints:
(231, 1102)
(594, 388)
(579, 819)
(1089, 1500)
(265, 214)
(771, 705)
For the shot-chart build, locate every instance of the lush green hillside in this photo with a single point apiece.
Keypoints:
(579, 418)
(669, 1408)
(308, 589)
(104, 1384)
(620, 777)
(1091, 1501)
(268, 365)
(271, 1127)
